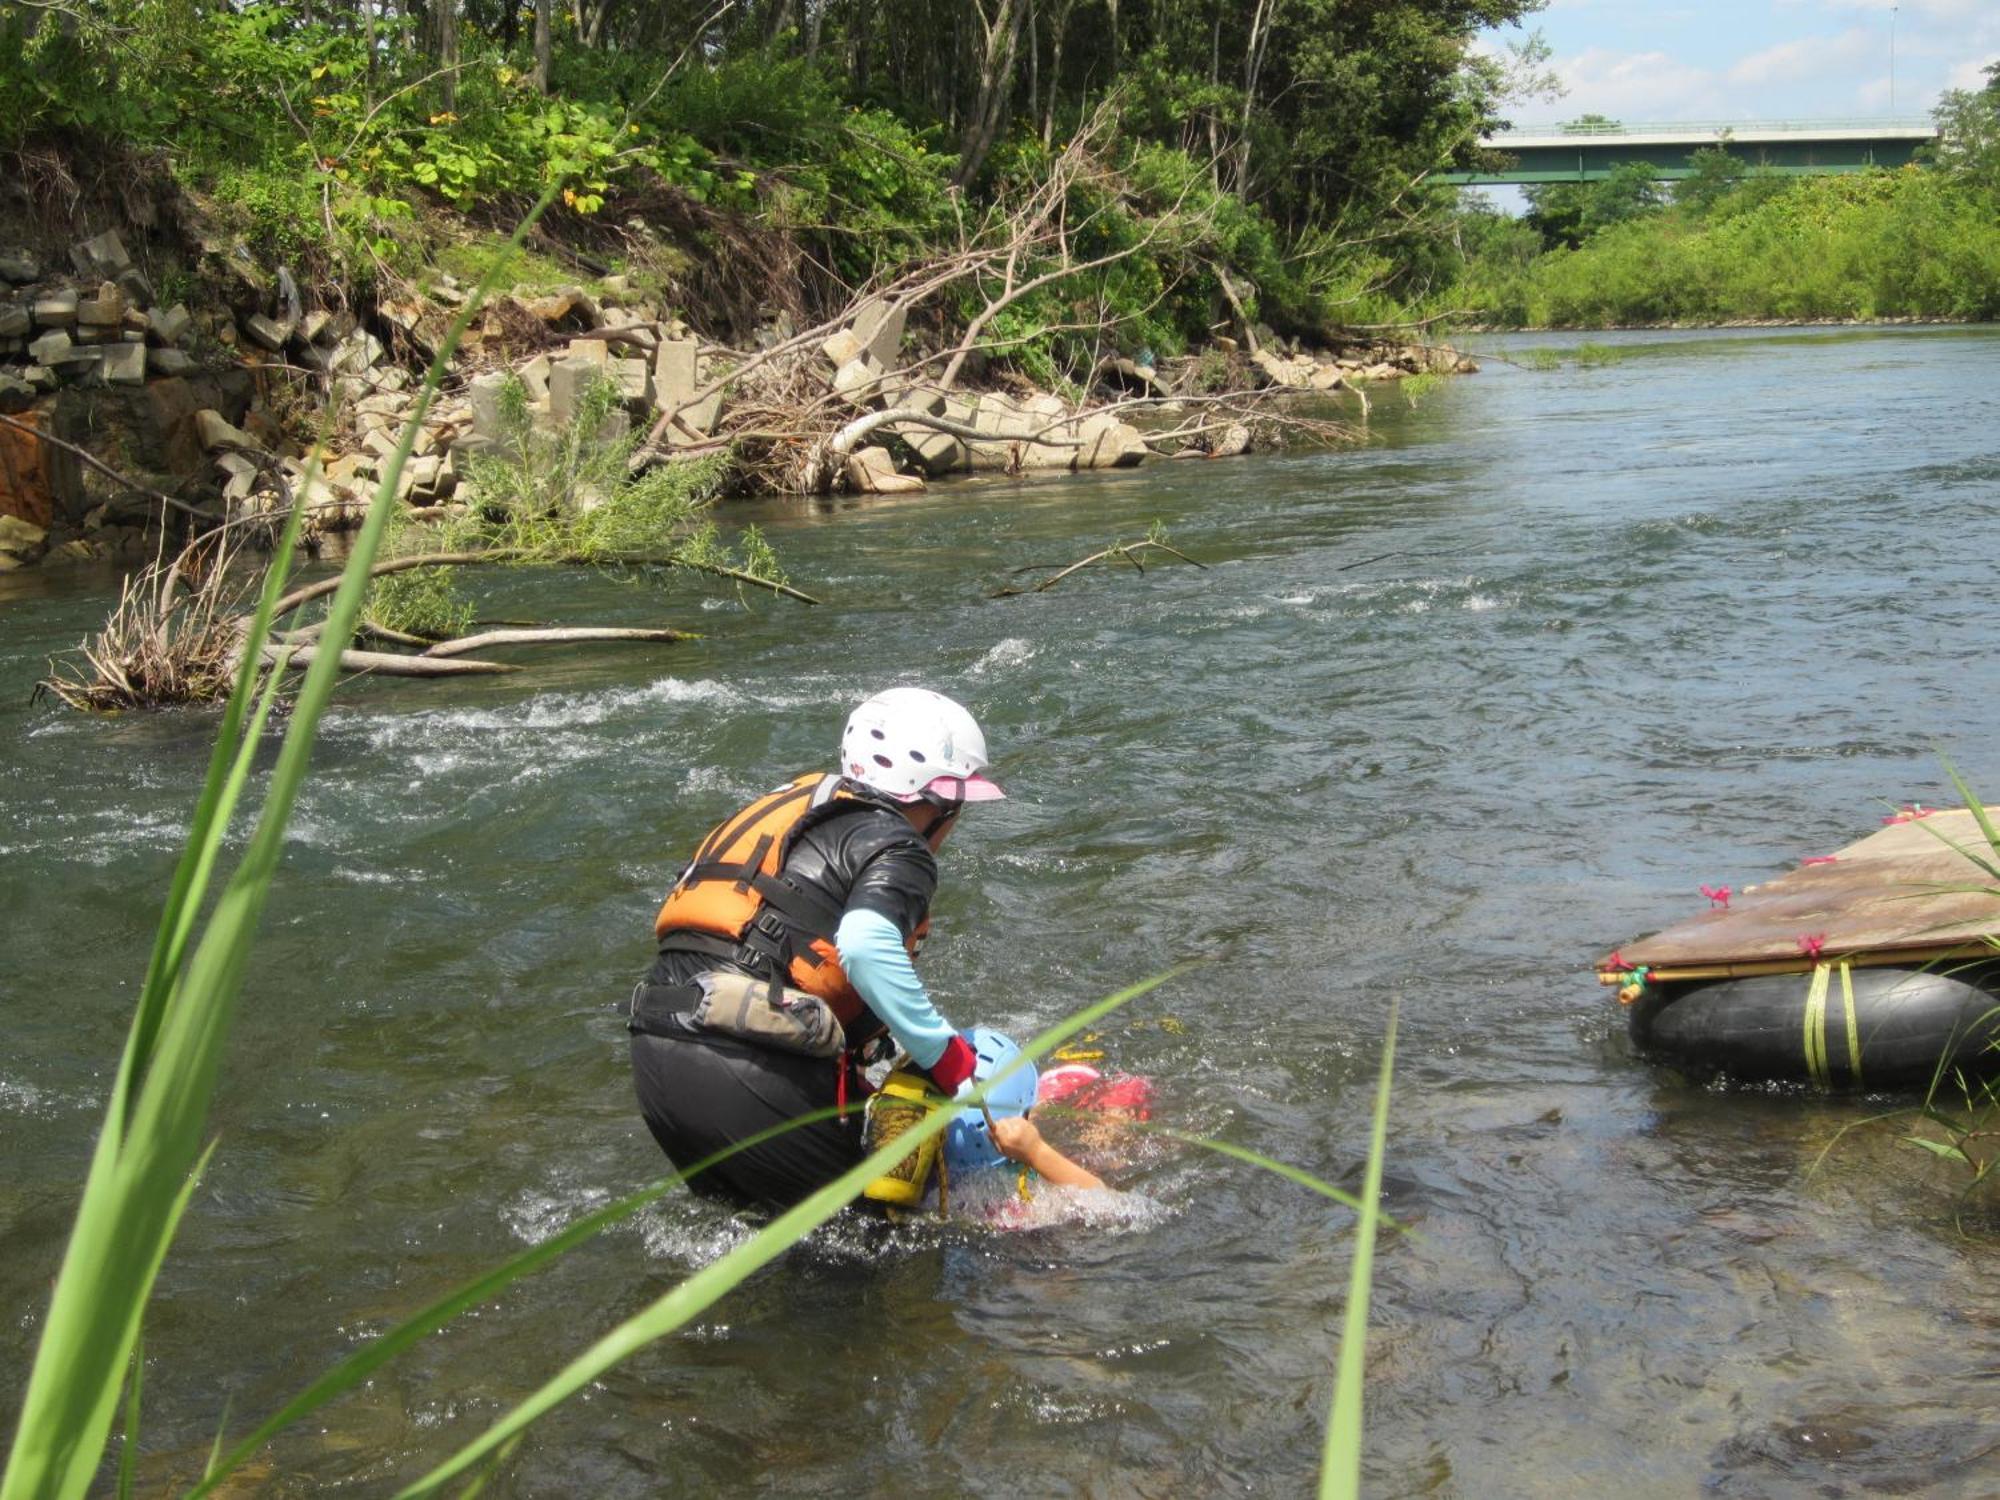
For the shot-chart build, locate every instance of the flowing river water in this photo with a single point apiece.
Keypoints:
(1447, 716)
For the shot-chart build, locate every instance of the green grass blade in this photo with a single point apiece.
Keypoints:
(126, 1220)
(1974, 804)
(358, 1366)
(1340, 1469)
(471, 1491)
(715, 1281)
(128, 1447)
(215, 1448)
(210, 825)
(1271, 1164)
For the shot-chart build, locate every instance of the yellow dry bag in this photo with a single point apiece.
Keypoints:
(902, 1101)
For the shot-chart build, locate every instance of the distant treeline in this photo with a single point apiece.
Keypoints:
(1728, 242)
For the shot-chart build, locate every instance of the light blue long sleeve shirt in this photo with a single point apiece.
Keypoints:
(872, 952)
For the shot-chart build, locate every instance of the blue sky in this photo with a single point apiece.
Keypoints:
(1758, 59)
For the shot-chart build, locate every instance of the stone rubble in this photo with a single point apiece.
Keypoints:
(188, 382)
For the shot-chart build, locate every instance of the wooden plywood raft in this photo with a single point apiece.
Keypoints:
(1880, 899)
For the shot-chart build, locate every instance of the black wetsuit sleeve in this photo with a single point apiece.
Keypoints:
(896, 878)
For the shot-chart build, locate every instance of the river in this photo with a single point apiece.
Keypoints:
(1447, 715)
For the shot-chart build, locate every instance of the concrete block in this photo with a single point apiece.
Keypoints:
(597, 351)
(674, 366)
(314, 324)
(102, 256)
(56, 310)
(634, 378)
(535, 376)
(17, 321)
(568, 380)
(19, 266)
(105, 310)
(169, 361)
(859, 380)
(49, 347)
(843, 346)
(486, 421)
(422, 473)
(171, 325)
(879, 325)
(124, 364)
(239, 477)
(1108, 444)
(213, 433)
(871, 471)
(267, 333)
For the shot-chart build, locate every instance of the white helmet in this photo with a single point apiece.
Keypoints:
(914, 745)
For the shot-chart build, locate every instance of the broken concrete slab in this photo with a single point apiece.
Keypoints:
(105, 310)
(568, 380)
(268, 333)
(872, 471)
(879, 324)
(486, 390)
(843, 346)
(859, 380)
(677, 376)
(16, 320)
(634, 378)
(56, 310)
(170, 325)
(50, 347)
(239, 476)
(102, 256)
(1108, 443)
(535, 376)
(213, 432)
(124, 364)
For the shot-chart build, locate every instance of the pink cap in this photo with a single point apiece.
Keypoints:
(973, 788)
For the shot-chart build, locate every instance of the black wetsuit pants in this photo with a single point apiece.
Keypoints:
(701, 1093)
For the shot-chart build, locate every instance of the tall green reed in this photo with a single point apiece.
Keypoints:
(149, 1153)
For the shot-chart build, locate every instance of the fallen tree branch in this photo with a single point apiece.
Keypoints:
(1117, 551)
(842, 443)
(549, 635)
(384, 663)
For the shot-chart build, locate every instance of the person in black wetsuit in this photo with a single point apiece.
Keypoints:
(785, 948)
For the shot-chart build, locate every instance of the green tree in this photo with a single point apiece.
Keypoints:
(1968, 143)
(1568, 213)
(1713, 174)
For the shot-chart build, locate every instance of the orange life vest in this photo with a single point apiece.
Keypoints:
(734, 902)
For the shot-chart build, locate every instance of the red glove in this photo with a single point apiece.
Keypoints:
(953, 1067)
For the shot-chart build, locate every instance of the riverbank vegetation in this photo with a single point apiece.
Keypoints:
(1730, 243)
(751, 160)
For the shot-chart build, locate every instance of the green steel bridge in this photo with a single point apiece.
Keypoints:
(1586, 152)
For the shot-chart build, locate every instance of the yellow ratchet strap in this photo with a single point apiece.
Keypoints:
(1815, 1039)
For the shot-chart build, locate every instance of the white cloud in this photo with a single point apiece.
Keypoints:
(1808, 57)
(1635, 85)
(1970, 74)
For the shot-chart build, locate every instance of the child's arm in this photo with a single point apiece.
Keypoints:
(1018, 1140)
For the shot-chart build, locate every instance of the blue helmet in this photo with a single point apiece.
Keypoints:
(968, 1146)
